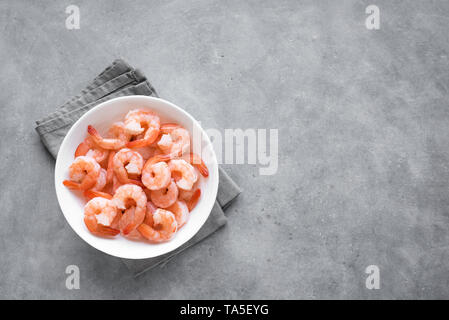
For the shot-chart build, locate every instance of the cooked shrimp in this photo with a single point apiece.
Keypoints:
(175, 140)
(163, 226)
(196, 161)
(181, 212)
(118, 131)
(99, 213)
(106, 143)
(156, 173)
(144, 122)
(185, 175)
(83, 173)
(165, 197)
(127, 162)
(90, 149)
(101, 180)
(125, 197)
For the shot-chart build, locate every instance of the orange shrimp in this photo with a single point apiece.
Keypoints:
(99, 213)
(196, 161)
(165, 197)
(163, 226)
(175, 140)
(156, 173)
(183, 172)
(90, 149)
(101, 180)
(127, 162)
(125, 197)
(144, 122)
(106, 143)
(181, 212)
(83, 173)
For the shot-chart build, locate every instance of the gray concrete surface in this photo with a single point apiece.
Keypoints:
(363, 153)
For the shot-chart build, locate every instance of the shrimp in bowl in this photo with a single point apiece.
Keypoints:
(113, 172)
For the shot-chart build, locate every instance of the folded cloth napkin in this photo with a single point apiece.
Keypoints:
(120, 79)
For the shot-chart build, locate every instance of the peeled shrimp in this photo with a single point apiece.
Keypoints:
(160, 226)
(144, 122)
(185, 174)
(90, 149)
(127, 161)
(125, 197)
(99, 213)
(101, 180)
(175, 140)
(181, 212)
(156, 173)
(83, 173)
(165, 197)
(106, 143)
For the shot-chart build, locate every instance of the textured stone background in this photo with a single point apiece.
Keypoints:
(364, 143)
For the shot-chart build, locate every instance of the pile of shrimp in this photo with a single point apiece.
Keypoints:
(140, 181)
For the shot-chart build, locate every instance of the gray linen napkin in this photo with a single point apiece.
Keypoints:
(120, 79)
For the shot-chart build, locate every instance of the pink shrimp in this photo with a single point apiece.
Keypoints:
(106, 143)
(90, 149)
(159, 226)
(183, 172)
(181, 212)
(83, 173)
(99, 213)
(101, 180)
(125, 197)
(127, 162)
(175, 140)
(118, 131)
(156, 173)
(165, 197)
(144, 122)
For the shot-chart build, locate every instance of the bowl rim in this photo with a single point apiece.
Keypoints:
(213, 158)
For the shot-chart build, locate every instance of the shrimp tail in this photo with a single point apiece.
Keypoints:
(71, 185)
(93, 132)
(130, 227)
(99, 229)
(82, 149)
(191, 204)
(90, 194)
(198, 162)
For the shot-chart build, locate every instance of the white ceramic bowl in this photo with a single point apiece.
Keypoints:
(72, 203)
